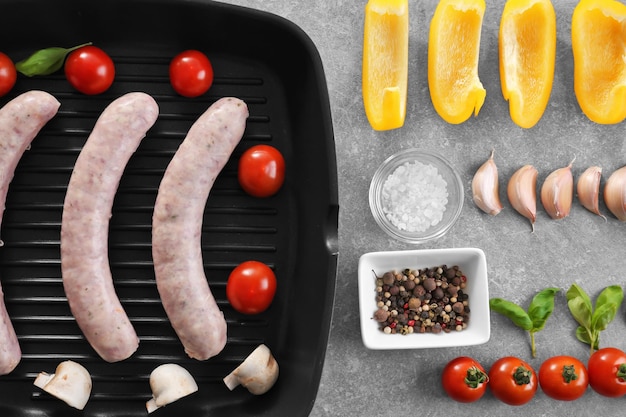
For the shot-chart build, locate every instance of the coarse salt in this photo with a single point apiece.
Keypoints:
(414, 197)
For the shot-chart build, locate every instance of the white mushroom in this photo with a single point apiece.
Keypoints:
(71, 383)
(258, 372)
(169, 382)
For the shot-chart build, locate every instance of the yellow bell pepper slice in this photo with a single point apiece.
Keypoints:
(385, 62)
(527, 48)
(453, 51)
(599, 49)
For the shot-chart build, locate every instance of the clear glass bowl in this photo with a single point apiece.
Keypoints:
(417, 194)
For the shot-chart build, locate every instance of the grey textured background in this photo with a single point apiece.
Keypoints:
(582, 248)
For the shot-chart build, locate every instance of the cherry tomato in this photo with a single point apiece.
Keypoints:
(464, 379)
(512, 380)
(563, 378)
(261, 171)
(8, 74)
(607, 372)
(251, 287)
(191, 73)
(89, 70)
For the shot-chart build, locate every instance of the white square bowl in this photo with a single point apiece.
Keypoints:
(471, 261)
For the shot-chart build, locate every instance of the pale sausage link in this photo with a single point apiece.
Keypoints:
(87, 208)
(177, 224)
(21, 119)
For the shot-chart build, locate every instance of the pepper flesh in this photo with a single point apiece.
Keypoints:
(598, 31)
(385, 63)
(527, 52)
(453, 50)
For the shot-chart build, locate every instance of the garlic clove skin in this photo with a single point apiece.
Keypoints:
(486, 188)
(615, 193)
(557, 192)
(588, 189)
(522, 194)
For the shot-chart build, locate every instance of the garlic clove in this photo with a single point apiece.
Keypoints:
(588, 189)
(486, 188)
(615, 193)
(258, 372)
(169, 382)
(557, 192)
(522, 194)
(70, 383)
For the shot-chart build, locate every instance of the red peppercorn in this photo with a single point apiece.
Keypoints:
(463, 278)
(406, 306)
(411, 323)
(393, 325)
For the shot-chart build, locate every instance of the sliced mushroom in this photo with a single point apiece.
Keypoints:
(169, 382)
(71, 383)
(258, 372)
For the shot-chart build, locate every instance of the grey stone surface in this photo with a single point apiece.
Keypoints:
(582, 248)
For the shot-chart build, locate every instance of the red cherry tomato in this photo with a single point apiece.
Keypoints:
(8, 74)
(251, 287)
(512, 380)
(90, 70)
(464, 379)
(563, 378)
(191, 73)
(261, 171)
(607, 372)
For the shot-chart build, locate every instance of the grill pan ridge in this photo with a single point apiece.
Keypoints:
(274, 67)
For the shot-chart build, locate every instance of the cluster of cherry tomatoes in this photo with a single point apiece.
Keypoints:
(91, 71)
(514, 382)
(261, 171)
(251, 285)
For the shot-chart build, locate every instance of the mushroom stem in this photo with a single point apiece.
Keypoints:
(258, 372)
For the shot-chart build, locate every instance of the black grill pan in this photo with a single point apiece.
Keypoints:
(272, 65)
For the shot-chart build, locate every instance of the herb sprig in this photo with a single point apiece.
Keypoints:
(45, 61)
(592, 320)
(534, 320)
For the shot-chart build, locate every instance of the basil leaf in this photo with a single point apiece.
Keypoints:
(541, 307)
(612, 294)
(602, 316)
(607, 304)
(512, 311)
(575, 291)
(580, 311)
(583, 335)
(45, 61)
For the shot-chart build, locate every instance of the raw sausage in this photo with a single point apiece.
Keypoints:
(85, 266)
(177, 223)
(21, 119)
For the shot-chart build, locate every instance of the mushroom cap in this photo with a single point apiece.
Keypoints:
(70, 383)
(258, 372)
(169, 382)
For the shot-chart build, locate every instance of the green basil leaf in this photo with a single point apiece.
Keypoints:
(511, 310)
(576, 291)
(612, 294)
(602, 316)
(45, 61)
(581, 311)
(541, 307)
(583, 335)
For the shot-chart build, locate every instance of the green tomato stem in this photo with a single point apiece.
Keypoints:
(533, 349)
